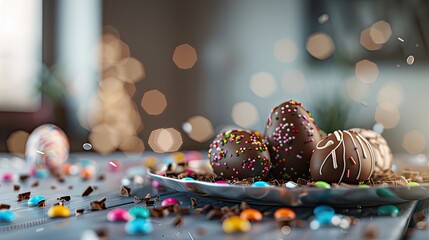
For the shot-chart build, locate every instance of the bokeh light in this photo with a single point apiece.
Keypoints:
(391, 92)
(154, 102)
(132, 145)
(184, 56)
(16, 142)
(387, 114)
(414, 142)
(366, 71)
(320, 45)
(103, 139)
(357, 90)
(367, 42)
(165, 140)
(198, 128)
(285, 50)
(380, 32)
(323, 18)
(263, 84)
(244, 114)
(130, 70)
(293, 81)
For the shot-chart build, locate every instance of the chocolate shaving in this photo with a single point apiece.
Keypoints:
(156, 212)
(125, 191)
(147, 197)
(79, 211)
(214, 214)
(61, 203)
(23, 177)
(101, 177)
(178, 222)
(35, 184)
(41, 204)
(16, 187)
(87, 191)
(136, 199)
(4, 206)
(65, 198)
(101, 233)
(98, 204)
(184, 211)
(194, 202)
(24, 196)
(370, 233)
(157, 198)
(206, 208)
(302, 182)
(150, 203)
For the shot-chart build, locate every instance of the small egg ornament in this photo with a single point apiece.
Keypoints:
(291, 135)
(47, 147)
(239, 154)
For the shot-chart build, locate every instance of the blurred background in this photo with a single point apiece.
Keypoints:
(168, 75)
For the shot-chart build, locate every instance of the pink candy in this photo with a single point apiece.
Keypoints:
(118, 215)
(169, 201)
(8, 177)
(114, 165)
(221, 182)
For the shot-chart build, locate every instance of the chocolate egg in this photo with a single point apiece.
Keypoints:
(342, 156)
(239, 154)
(382, 151)
(291, 136)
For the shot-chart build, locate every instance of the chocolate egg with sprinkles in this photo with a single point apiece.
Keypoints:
(239, 154)
(342, 156)
(291, 135)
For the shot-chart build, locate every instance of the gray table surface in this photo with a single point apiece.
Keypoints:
(33, 222)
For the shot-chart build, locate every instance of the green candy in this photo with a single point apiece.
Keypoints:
(388, 210)
(363, 186)
(139, 212)
(412, 184)
(322, 184)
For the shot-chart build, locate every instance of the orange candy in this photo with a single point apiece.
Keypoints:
(86, 173)
(251, 214)
(284, 214)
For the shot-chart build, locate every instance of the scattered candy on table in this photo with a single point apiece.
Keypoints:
(59, 212)
(323, 214)
(284, 214)
(42, 172)
(322, 184)
(260, 184)
(412, 184)
(7, 216)
(114, 165)
(221, 182)
(169, 201)
(8, 177)
(139, 212)
(34, 201)
(388, 210)
(251, 214)
(118, 215)
(236, 224)
(138, 226)
(188, 179)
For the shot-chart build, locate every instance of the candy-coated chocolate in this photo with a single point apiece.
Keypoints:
(118, 215)
(34, 201)
(188, 179)
(8, 176)
(260, 184)
(388, 210)
(7, 216)
(251, 214)
(139, 212)
(114, 165)
(284, 214)
(221, 182)
(138, 226)
(59, 212)
(236, 224)
(322, 184)
(169, 201)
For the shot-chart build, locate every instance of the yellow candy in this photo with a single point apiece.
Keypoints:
(59, 211)
(236, 224)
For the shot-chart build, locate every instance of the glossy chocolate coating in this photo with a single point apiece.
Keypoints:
(291, 137)
(239, 154)
(382, 151)
(342, 156)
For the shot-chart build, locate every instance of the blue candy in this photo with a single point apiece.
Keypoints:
(188, 179)
(35, 200)
(42, 173)
(260, 184)
(7, 216)
(323, 214)
(138, 226)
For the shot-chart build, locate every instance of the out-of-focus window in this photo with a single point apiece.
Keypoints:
(20, 54)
